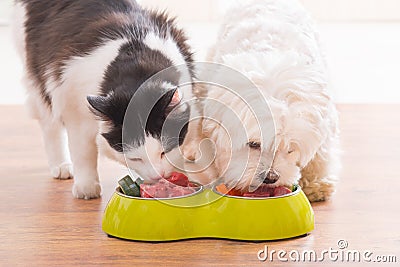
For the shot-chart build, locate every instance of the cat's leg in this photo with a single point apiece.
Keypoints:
(82, 131)
(55, 139)
(53, 131)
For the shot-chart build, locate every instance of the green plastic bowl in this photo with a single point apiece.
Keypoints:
(208, 213)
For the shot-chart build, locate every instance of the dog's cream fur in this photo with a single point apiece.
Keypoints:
(274, 44)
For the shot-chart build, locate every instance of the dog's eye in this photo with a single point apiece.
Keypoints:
(135, 159)
(253, 144)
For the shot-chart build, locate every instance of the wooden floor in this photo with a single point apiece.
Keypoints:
(42, 224)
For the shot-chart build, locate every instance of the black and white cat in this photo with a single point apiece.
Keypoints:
(99, 52)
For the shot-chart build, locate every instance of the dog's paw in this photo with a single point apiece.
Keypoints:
(62, 171)
(318, 191)
(87, 190)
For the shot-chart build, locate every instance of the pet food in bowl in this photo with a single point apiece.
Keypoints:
(208, 213)
(176, 185)
(263, 190)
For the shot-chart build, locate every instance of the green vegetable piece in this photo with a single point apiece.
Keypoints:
(294, 187)
(129, 187)
(139, 181)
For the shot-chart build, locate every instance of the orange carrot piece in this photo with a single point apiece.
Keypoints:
(222, 189)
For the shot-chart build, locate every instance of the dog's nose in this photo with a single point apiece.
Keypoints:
(272, 177)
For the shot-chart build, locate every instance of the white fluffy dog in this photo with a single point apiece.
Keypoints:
(275, 45)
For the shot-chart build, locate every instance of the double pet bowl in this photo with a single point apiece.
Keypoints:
(208, 213)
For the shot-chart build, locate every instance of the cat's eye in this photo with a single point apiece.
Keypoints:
(290, 151)
(135, 159)
(254, 145)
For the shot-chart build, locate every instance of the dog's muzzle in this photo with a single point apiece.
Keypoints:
(272, 177)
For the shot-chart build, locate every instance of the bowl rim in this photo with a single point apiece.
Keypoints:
(199, 189)
(295, 192)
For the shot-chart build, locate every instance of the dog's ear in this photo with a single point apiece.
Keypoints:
(98, 105)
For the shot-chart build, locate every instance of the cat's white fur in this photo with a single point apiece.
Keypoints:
(166, 46)
(169, 48)
(69, 129)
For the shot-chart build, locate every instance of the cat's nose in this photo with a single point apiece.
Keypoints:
(272, 177)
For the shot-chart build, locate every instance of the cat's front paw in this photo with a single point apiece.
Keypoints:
(86, 190)
(62, 171)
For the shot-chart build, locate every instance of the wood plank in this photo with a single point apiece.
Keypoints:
(42, 225)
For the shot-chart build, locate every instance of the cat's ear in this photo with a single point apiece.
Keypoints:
(98, 104)
(174, 98)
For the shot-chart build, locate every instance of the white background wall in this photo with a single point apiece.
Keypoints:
(322, 10)
(361, 37)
